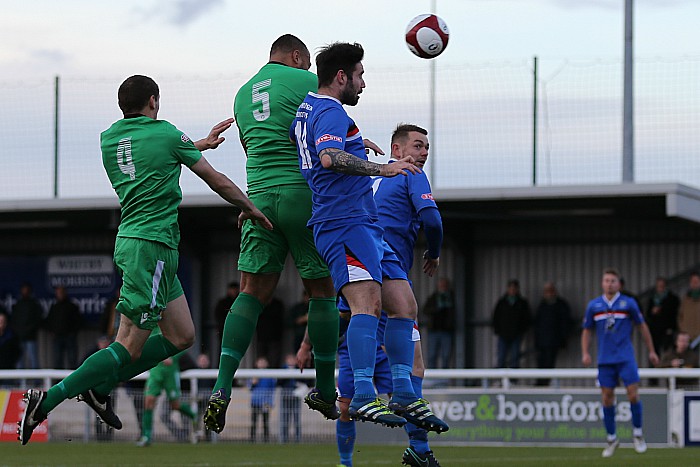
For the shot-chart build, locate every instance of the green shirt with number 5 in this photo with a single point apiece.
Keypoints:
(264, 108)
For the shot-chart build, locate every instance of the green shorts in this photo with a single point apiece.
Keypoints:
(264, 251)
(158, 382)
(149, 276)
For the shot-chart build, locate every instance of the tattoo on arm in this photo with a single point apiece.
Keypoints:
(346, 163)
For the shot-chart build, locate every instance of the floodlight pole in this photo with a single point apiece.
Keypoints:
(55, 138)
(433, 136)
(628, 104)
(534, 120)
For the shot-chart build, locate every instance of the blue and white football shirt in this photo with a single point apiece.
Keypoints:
(321, 122)
(614, 322)
(399, 200)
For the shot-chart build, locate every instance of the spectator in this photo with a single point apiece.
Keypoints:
(25, 321)
(203, 362)
(662, 316)
(63, 322)
(270, 331)
(109, 321)
(511, 319)
(624, 291)
(103, 432)
(689, 313)
(10, 349)
(297, 317)
(681, 356)
(439, 311)
(291, 404)
(552, 326)
(262, 393)
(224, 305)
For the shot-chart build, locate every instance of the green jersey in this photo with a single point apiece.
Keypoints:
(162, 370)
(264, 108)
(142, 158)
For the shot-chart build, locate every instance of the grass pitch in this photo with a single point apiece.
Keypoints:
(227, 454)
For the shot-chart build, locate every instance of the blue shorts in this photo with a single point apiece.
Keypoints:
(610, 374)
(346, 381)
(356, 251)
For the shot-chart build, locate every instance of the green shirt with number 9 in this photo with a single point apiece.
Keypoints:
(143, 158)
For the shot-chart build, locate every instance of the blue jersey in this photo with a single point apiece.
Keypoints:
(321, 122)
(399, 200)
(614, 322)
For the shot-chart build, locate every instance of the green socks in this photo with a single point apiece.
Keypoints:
(147, 424)
(95, 369)
(186, 410)
(156, 349)
(238, 332)
(323, 334)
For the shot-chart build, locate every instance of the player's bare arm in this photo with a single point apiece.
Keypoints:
(304, 353)
(372, 146)
(585, 345)
(344, 162)
(430, 265)
(214, 138)
(229, 191)
(646, 335)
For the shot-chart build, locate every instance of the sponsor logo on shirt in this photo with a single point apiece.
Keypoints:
(328, 137)
(427, 196)
(185, 138)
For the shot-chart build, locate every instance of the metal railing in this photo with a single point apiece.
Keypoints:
(503, 375)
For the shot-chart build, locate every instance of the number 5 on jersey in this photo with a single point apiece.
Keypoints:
(263, 97)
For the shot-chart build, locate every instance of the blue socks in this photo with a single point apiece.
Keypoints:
(609, 421)
(636, 409)
(399, 349)
(362, 349)
(345, 435)
(418, 437)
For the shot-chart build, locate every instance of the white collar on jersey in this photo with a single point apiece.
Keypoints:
(323, 96)
(610, 302)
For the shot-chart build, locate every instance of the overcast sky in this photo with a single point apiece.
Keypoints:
(187, 45)
(78, 37)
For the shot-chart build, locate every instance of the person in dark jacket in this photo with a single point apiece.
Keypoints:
(10, 349)
(26, 319)
(511, 319)
(662, 316)
(224, 305)
(63, 322)
(270, 331)
(439, 311)
(552, 327)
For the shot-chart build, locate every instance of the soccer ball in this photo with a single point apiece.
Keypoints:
(427, 35)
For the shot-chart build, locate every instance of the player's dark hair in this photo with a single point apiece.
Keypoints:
(403, 129)
(612, 271)
(514, 282)
(286, 44)
(233, 285)
(135, 92)
(337, 56)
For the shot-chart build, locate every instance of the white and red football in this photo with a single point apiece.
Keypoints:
(427, 36)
